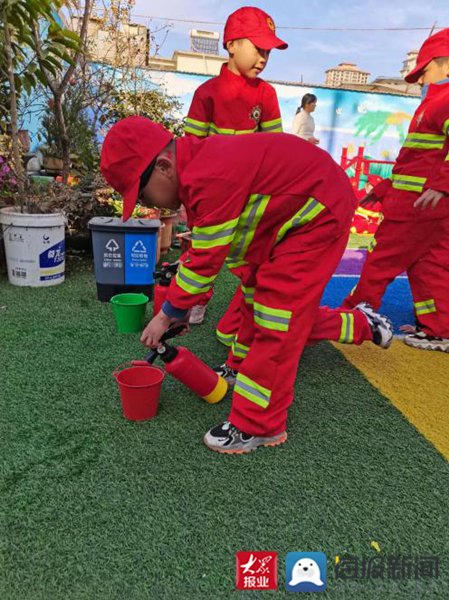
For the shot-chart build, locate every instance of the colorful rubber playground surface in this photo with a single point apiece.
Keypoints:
(95, 507)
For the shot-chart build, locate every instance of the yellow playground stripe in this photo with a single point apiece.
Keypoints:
(415, 381)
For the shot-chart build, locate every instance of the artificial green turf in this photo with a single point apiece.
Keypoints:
(95, 507)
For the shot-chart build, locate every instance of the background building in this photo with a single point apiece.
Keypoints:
(346, 73)
(348, 77)
(204, 42)
(129, 45)
(409, 63)
(203, 58)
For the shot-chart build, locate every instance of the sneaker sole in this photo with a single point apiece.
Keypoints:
(278, 442)
(369, 312)
(427, 346)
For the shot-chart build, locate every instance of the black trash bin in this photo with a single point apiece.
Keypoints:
(124, 255)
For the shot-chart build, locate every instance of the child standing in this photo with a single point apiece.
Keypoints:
(414, 235)
(236, 102)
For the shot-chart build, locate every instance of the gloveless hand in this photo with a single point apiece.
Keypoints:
(155, 329)
(429, 198)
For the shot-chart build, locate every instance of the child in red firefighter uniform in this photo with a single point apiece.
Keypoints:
(414, 235)
(274, 201)
(237, 101)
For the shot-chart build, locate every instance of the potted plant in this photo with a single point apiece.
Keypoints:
(34, 241)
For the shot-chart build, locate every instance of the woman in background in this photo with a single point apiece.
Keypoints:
(303, 123)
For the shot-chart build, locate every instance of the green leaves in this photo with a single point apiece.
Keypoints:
(57, 48)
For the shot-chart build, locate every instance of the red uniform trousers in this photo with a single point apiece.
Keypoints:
(335, 325)
(286, 289)
(420, 247)
(228, 325)
(332, 324)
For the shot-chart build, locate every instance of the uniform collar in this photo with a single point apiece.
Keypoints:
(186, 149)
(239, 80)
(436, 88)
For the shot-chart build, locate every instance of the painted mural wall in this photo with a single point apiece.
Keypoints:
(343, 118)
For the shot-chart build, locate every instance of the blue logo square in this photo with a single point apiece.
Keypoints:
(305, 572)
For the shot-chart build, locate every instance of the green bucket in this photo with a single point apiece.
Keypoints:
(129, 311)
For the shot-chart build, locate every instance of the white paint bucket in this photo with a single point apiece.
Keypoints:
(34, 247)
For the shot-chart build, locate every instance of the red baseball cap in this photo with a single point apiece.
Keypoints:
(255, 25)
(128, 148)
(436, 46)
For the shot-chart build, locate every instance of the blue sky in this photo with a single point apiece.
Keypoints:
(310, 53)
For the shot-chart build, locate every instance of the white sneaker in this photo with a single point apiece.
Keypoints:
(228, 439)
(381, 326)
(423, 341)
(197, 314)
(229, 374)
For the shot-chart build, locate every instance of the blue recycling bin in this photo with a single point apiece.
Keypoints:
(124, 255)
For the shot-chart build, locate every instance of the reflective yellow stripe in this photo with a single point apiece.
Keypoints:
(234, 264)
(271, 318)
(447, 157)
(425, 141)
(305, 214)
(366, 212)
(426, 136)
(213, 236)
(408, 182)
(372, 245)
(252, 391)
(249, 219)
(215, 130)
(347, 328)
(191, 282)
(275, 126)
(239, 350)
(425, 307)
(446, 127)
(225, 338)
(248, 293)
(198, 128)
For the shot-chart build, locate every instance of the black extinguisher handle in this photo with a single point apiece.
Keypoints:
(170, 333)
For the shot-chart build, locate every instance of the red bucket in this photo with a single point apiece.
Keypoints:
(140, 387)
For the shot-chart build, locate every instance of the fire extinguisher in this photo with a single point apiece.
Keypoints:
(188, 368)
(164, 277)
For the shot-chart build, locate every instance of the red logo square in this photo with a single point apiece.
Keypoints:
(256, 570)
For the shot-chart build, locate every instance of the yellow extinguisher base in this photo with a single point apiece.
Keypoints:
(218, 393)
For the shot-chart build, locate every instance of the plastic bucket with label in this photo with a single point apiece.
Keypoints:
(34, 247)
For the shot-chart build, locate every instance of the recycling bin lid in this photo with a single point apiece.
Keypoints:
(116, 224)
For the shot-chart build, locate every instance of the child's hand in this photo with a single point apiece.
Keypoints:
(186, 235)
(155, 329)
(410, 329)
(431, 197)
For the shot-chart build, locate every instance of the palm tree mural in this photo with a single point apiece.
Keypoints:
(374, 124)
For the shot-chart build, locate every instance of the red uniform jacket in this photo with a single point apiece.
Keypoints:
(233, 104)
(422, 163)
(243, 195)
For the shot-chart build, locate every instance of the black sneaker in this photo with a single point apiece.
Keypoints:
(230, 375)
(423, 341)
(227, 439)
(381, 326)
